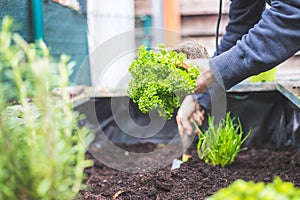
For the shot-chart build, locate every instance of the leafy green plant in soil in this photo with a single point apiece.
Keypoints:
(220, 143)
(240, 190)
(160, 80)
(42, 155)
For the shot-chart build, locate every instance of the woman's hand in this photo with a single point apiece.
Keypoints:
(203, 81)
(188, 112)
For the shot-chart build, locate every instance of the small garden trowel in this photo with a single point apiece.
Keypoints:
(186, 143)
(187, 154)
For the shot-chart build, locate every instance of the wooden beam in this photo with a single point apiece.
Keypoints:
(202, 25)
(142, 7)
(201, 7)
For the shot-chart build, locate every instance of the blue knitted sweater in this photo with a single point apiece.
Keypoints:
(256, 39)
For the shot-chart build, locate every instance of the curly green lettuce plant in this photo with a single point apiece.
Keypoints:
(240, 190)
(41, 150)
(220, 143)
(159, 79)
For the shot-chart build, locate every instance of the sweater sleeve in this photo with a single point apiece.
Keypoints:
(243, 15)
(275, 38)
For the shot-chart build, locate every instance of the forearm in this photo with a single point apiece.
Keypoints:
(243, 15)
(274, 39)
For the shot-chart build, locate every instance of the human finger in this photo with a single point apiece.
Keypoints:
(187, 126)
(197, 118)
(180, 127)
(201, 113)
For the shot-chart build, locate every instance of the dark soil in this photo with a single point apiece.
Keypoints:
(194, 180)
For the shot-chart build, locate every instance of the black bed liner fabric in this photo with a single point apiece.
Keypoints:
(116, 135)
(293, 128)
(264, 113)
(269, 115)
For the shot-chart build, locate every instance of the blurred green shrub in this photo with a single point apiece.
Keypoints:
(41, 154)
(241, 190)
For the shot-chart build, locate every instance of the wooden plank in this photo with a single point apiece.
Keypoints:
(187, 7)
(142, 7)
(291, 90)
(246, 86)
(202, 25)
(200, 7)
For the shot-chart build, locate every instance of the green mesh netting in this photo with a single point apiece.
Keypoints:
(66, 33)
(19, 10)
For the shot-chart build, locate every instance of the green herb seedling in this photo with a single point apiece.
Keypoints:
(220, 144)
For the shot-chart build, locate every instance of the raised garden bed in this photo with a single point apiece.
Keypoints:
(194, 180)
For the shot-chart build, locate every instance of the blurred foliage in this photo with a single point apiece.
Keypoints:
(42, 155)
(241, 190)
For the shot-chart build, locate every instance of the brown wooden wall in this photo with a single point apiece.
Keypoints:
(199, 20)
